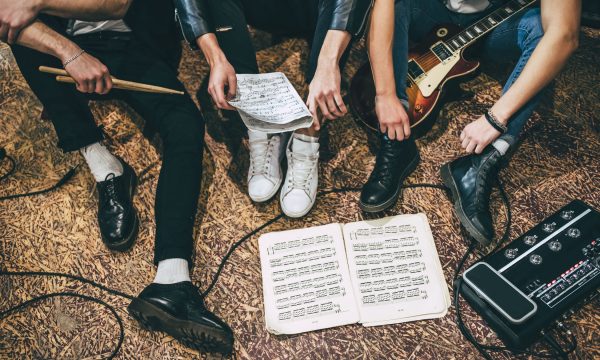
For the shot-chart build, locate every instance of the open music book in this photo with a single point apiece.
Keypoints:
(373, 272)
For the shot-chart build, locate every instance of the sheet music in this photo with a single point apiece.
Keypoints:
(270, 103)
(306, 283)
(395, 270)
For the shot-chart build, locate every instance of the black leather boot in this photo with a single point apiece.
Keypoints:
(471, 178)
(395, 161)
(178, 310)
(117, 217)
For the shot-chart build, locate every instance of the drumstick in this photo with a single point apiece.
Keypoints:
(117, 83)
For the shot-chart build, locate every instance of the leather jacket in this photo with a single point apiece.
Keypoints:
(194, 19)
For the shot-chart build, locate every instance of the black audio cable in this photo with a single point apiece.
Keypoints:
(482, 348)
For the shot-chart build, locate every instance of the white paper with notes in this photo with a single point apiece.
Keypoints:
(373, 272)
(270, 103)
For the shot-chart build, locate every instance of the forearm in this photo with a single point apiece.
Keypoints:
(560, 20)
(380, 44)
(42, 38)
(336, 42)
(89, 10)
(209, 45)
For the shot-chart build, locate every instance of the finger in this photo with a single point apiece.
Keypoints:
(108, 82)
(479, 148)
(314, 111)
(471, 147)
(391, 133)
(99, 86)
(462, 135)
(333, 109)
(13, 34)
(465, 142)
(219, 96)
(324, 110)
(232, 81)
(400, 135)
(406, 128)
(91, 86)
(383, 128)
(340, 103)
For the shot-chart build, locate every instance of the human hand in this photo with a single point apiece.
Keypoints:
(476, 136)
(15, 16)
(89, 73)
(324, 94)
(222, 79)
(392, 117)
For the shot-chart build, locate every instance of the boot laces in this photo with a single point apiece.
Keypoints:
(384, 162)
(485, 181)
(301, 167)
(260, 155)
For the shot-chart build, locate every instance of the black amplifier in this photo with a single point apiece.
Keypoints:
(556, 264)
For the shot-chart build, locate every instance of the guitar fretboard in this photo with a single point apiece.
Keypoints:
(485, 25)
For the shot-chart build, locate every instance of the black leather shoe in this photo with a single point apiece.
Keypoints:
(117, 217)
(395, 161)
(178, 310)
(470, 179)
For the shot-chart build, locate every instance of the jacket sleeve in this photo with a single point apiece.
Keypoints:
(193, 18)
(350, 15)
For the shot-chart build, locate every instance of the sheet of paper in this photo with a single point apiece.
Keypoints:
(395, 270)
(270, 103)
(306, 283)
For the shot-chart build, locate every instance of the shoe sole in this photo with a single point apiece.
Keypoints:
(190, 334)
(392, 200)
(448, 180)
(127, 243)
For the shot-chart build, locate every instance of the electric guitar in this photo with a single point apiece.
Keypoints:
(432, 66)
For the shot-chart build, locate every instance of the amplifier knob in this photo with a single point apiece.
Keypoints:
(530, 239)
(574, 233)
(555, 245)
(535, 259)
(549, 227)
(511, 253)
(567, 214)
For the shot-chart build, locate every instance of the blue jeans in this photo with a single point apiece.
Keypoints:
(515, 38)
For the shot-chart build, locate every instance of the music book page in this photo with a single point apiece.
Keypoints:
(270, 103)
(306, 284)
(395, 270)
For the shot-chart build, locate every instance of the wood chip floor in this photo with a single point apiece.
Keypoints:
(558, 161)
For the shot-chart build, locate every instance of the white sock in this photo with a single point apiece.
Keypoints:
(171, 271)
(501, 145)
(101, 161)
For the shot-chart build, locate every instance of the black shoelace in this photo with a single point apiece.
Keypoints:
(385, 161)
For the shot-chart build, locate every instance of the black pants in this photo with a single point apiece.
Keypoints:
(175, 117)
(293, 18)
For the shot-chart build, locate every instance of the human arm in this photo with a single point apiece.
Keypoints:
(87, 71)
(391, 114)
(222, 83)
(560, 21)
(16, 15)
(324, 92)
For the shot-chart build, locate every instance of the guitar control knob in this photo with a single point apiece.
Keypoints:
(419, 108)
(574, 233)
(535, 259)
(567, 214)
(549, 227)
(530, 239)
(555, 245)
(511, 253)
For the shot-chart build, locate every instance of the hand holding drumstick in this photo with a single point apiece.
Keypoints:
(98, 80)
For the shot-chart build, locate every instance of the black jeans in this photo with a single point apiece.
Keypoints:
(175, 117)
(291, 18)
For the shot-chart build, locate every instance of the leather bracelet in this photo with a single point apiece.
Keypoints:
(73, 58)
(489, 116)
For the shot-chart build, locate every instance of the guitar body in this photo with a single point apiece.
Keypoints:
(424, 92)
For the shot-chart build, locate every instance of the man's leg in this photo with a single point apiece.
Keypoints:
(516, 38)
(76, 130)
(181, 126)
(472, 177)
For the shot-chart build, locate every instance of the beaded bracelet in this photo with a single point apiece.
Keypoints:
(73, 58)
(489, 116)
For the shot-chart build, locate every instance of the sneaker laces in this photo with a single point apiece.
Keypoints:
(301, 168)
(260, 152)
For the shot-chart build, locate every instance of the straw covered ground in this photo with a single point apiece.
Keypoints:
(558, 161)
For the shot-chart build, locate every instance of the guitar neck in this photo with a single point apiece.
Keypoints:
(474, 32)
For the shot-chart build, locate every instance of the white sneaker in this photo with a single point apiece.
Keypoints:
(264, 174)
(300, 187)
